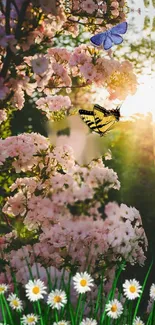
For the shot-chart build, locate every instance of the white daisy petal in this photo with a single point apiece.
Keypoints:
(82, 282)
(138, 321)
(14, 302)
(88, 321)
(152, 291)
(132, 289)
(62, 322)
(3, 288)
(35, 290)
(57, 299)
(29, 319)
(114, 309)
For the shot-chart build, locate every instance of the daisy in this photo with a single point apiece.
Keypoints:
(62, 322)
(82, 282)
(57, 299)
(15, 302)
(114, 309)
(29, 319)
(88, 321)
(35, 290)
(3, 288)
(132, 289)
(152, 291)
(138, 321)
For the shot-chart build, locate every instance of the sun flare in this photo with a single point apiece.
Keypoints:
(143, 100)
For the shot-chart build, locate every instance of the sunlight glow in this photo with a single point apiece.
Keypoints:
(144, 99)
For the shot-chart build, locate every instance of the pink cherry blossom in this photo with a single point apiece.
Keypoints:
(15, 205)
(49, 6)
(88, 71)
(115, 4)
(4, 90)
(53, 103)
(89, 6)
(39, 64)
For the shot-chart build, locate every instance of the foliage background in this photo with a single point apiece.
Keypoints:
(132, 145)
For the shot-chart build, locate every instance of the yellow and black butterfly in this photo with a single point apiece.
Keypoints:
(100, 120)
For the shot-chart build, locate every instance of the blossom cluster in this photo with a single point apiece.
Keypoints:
(64, 203)
(96, 8)
(50, 69)
(64, 240)
(49, 73)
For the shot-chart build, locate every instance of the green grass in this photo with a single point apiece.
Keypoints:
(75, 313)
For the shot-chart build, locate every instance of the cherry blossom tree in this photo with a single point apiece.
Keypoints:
(53, 205)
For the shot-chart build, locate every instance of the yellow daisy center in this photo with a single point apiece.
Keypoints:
(57, 299)
(36, 290)
(15, 303)
(114, 308)
(132, 289)
(30, 319)
(2, 289)
(83, 282)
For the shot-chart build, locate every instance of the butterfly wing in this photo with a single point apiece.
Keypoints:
(100, 120)
(107, 43)
(104, 119)
(101, 109)
(105, 125)
(120, 28)
(117, 39)
(106, 40)
(88, 118)
(98, 39)
(115, 112)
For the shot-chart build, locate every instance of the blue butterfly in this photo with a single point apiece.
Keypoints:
(110, 36)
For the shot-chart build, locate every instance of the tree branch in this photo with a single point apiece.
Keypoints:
(2, 8)
(6, 63)
(7, 17)
(84, 24)
(18, 34)
(14, 3)
(66, 87)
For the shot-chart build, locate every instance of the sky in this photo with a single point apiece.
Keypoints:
(144, 99)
